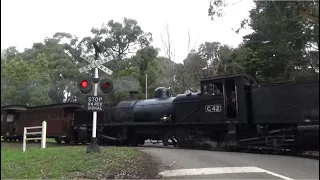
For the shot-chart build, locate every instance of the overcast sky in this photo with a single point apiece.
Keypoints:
(24, 22)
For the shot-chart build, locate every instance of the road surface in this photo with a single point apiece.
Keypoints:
(201, 164)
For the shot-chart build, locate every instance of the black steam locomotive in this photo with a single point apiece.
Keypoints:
(230, 112)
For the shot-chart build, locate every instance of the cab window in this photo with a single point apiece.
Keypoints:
(212, 88)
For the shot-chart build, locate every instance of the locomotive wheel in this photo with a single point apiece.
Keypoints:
(134, 143)
(124, 143)
(141, 143)
(58, 140)
(183, 144)
(5, 139)
(165, 142)
(67, 141)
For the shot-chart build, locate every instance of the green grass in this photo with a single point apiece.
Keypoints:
(62, 162)
(50, 140)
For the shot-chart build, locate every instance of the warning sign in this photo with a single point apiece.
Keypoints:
(95, 103)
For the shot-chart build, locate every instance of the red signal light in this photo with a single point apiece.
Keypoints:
(106, 85)
(84, 84)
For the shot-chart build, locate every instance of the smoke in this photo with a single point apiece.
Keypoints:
(126, 83)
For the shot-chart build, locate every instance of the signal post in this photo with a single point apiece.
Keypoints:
(95, 102)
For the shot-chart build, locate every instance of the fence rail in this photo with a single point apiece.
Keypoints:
(42, 138)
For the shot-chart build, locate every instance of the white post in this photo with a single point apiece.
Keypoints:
(44, 134)
(95, 93)
(24, 141)
(146, 86)
(93, 147)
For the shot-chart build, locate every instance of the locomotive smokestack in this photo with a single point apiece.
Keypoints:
(133, 94)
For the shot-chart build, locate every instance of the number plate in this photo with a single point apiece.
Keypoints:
(213, 108)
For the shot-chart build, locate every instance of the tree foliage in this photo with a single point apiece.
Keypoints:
(284, 46)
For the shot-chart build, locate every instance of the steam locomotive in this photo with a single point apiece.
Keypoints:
(230, 112)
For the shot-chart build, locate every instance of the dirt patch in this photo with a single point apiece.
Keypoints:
(144, 168)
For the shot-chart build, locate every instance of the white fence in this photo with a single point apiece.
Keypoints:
(42, 138)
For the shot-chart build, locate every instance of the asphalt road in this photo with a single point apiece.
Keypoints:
(201, 164)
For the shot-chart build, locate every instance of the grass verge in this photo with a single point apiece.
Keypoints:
(72, 162)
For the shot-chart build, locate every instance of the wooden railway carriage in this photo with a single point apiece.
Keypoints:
(59, 117)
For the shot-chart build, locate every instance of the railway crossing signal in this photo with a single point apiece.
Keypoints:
(86, 86)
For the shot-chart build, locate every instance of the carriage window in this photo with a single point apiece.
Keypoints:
(2, 117)
(213, 88)
(10, 117)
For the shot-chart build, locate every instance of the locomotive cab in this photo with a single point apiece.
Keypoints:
(228, 96)
(222, 99)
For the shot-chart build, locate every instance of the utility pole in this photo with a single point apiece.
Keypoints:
(146, 86)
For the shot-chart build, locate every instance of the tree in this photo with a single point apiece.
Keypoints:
(285, 41)
(216, 7)
(148, 64)
(173, 73)
(279, 39)
(308, 9)
(10, 53)
(25, 82)
(217, 57)
(193, 69)
(122, 38)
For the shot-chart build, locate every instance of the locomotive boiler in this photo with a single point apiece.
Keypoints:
(150, 110)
